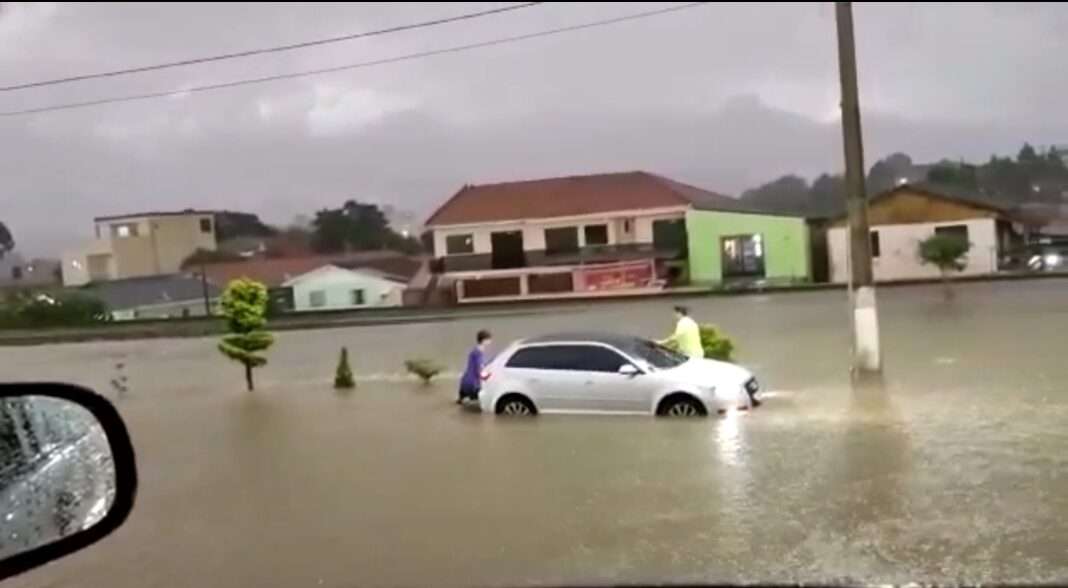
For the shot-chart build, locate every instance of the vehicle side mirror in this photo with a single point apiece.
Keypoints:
(67, 473)
(629, 369)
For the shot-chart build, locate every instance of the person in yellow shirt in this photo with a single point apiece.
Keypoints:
(687, 335)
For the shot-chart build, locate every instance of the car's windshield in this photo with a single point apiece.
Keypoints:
(655, 355)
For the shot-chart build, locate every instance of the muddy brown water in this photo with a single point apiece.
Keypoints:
(954, 471)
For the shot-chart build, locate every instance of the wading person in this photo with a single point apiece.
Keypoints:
(471, 380)
(687, 335)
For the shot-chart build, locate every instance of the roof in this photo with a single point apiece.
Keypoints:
(276, 271)
(575, 196)
(186, 212)
(614, 339)
(150, 290)
(940, 191)
(364, 272)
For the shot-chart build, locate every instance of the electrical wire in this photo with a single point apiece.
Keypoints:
(266, 50)
(376, 62)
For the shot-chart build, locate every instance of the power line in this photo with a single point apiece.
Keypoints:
(384, 61)
(265, 50)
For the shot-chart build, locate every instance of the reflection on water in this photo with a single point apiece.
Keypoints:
(948, 472)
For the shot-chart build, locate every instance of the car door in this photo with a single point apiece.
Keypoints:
(601, 386)
(544, 371)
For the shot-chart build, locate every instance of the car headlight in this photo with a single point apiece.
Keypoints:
(752, 386)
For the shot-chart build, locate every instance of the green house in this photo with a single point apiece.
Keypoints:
(740, 245)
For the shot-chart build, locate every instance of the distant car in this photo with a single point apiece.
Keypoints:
(596, 372)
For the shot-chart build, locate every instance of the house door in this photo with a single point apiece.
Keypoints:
(507, 249)
(743, 256)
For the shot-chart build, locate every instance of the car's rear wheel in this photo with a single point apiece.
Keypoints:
(516, 405)
(681, 406)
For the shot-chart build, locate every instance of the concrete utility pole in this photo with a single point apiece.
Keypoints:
(867, 356)
(204, 288)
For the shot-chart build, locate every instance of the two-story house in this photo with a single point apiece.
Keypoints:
(136, 245)
(569, 236)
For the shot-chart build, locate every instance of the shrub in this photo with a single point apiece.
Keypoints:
(716, 344)
(244, 304)
(343, 375)
(946, 252)
(63, 310)
(424, 369)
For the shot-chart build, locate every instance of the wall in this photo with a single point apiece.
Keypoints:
(170, 310)
(534, 230)
(75, 264)
(786, 243)
(338, 284)
(177, 237)
(898, 244)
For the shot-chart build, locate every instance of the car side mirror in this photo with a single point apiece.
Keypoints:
(67, 473)
(629, 369)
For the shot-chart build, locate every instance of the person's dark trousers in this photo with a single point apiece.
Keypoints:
(466, 392)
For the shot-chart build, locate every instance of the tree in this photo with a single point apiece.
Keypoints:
(358, 227)
(886, 172)
(343, 374)
(827, 194)
(244, 304)
(229, 224)
(1027, 154)
(788, 193)
(963, 176)
(7, 242)
(946, 252)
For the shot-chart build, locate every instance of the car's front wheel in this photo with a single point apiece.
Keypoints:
(515, 405)
(681, 406)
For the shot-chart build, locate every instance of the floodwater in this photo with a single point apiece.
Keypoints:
(954, 471)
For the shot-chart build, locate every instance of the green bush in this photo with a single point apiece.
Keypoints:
(716, 344)
(424, 369)
(62, 310)
(244, 305)
(343, 376)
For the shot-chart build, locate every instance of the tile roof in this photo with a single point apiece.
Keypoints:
(941, 191)
(145, 291)
(275, 271)
(574, 196)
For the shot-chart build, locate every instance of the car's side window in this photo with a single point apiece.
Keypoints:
(549, 357)
(587, 358)
(591, 358)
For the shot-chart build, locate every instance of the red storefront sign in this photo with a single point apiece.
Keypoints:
(617, 276)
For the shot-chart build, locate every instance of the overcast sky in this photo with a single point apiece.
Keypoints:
(723, 96)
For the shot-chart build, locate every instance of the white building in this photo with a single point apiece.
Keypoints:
(903, 217)
(334, 288)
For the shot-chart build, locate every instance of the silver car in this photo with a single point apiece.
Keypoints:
(597, 372)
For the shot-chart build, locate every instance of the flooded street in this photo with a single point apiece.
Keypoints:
(955, 471)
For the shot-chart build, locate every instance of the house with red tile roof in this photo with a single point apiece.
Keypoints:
(580, 235)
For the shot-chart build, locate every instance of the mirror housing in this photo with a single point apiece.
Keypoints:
(73, 449)
(629, 369)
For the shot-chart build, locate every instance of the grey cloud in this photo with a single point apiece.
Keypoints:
(723, 96)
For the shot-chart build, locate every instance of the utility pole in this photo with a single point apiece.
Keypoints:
(867, 357)
(204, 288)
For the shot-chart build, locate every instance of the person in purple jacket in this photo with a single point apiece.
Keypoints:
(471, 381)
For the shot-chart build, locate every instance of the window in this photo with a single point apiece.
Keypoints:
(587, 358)
(875, 244)
(357, 297)
(16, 273)
(596, 235)
(459, 244)
(958, 231)
(205, 225)
(317, 298)
(561, 240)
(124, 230)
(669, 235)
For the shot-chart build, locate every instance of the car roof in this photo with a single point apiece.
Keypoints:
(613, 339)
